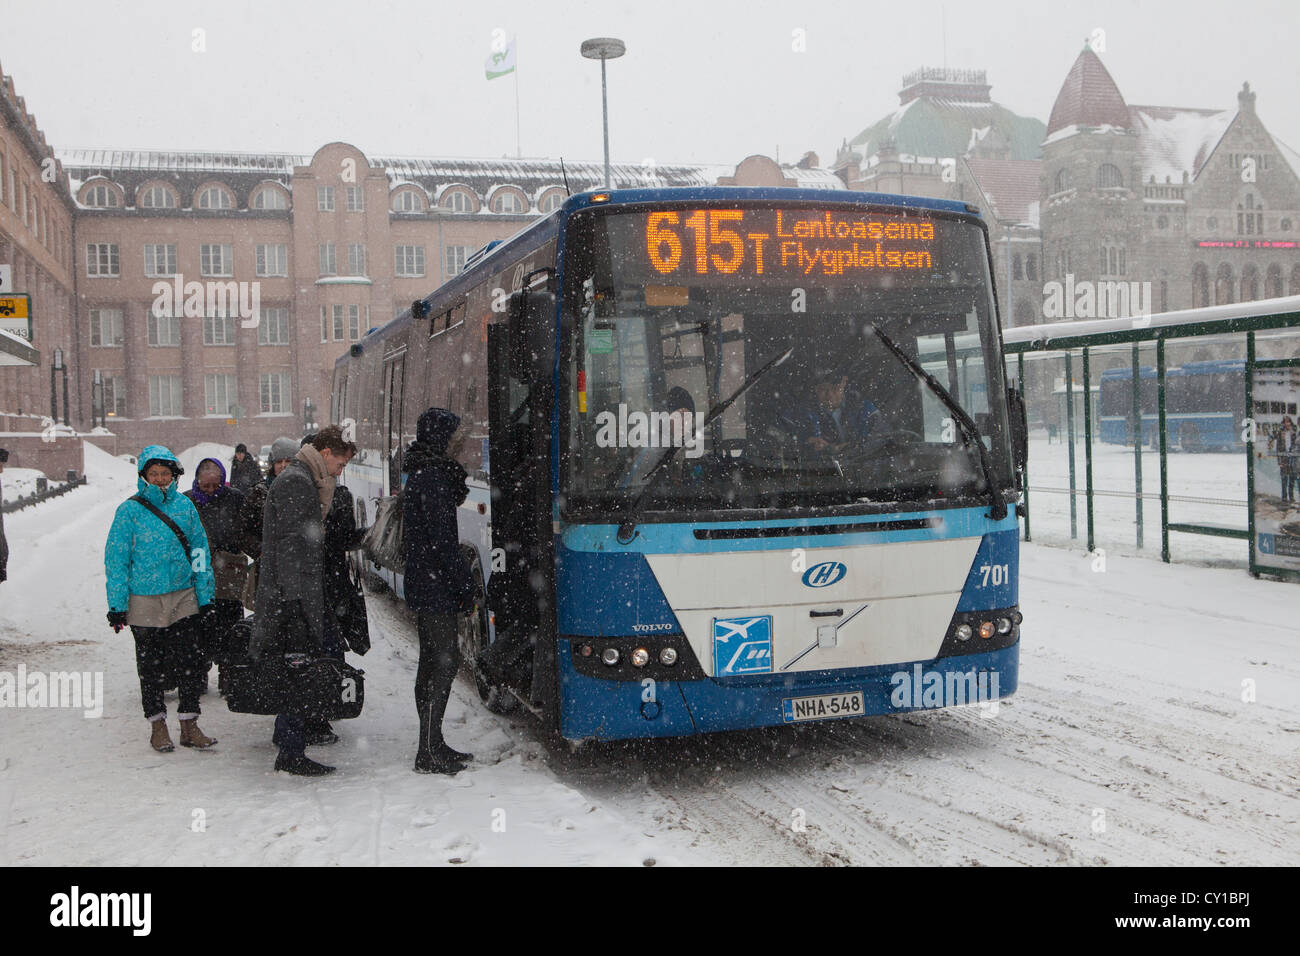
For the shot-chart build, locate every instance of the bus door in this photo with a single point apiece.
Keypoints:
(393, 379)
(521, 584)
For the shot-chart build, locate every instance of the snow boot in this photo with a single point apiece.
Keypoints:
(191, 736)
(449, 754)
(159, 739)
(320, 734)
(437, 761)
(301, 766)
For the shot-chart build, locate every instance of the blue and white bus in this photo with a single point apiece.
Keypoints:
(1203, 403)
(738, 457)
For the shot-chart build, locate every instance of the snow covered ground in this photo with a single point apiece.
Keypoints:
(1157, 723)
(1219, 476)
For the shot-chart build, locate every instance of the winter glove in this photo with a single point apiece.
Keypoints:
(117, 621)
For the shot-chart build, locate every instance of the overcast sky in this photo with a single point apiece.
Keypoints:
(703, 81)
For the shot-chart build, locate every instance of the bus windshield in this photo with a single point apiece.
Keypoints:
(669, 313)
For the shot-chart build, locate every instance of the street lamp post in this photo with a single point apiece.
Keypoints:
(602, 49)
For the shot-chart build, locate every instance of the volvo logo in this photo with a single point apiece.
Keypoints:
(824, 574)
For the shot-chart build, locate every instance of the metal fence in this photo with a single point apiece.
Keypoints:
(1107, 444)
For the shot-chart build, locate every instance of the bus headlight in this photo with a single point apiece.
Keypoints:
(986, 630)
(668, 656)
(963, 632)
(640, 657)
(610, 656)
(1004, 625)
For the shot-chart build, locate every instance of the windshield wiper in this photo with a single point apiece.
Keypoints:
(627, 527)
(971, 432)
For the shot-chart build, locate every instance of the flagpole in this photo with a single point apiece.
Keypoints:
(518, 152)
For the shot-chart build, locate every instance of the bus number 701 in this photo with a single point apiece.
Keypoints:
(998, 574)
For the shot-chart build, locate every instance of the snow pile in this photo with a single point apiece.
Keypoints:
(18, 482)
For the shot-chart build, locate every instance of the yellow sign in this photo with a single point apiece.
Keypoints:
(15, 305)
(16, 314)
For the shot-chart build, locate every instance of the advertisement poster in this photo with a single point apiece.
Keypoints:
(1275, 395)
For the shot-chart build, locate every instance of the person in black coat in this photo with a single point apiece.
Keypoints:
(244, 469)
(438, 582)
(220, 508)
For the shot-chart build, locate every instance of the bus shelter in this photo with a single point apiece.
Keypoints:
(1214, 390)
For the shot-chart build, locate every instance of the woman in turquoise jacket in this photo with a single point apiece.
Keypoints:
(159, 587)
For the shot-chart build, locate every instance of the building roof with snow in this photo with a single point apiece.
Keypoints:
(243, 172)
(949, 113)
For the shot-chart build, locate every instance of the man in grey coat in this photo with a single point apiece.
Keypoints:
(290, 586)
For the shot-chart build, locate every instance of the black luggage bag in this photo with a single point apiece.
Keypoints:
(315, 688)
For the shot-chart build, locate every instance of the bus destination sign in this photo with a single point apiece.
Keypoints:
(786, 242)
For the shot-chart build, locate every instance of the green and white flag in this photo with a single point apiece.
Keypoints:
(501, 63)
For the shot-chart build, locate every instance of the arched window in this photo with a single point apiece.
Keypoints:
(508, 202)
(100, 196)
(1249, 284)
(215, 197)
(1017, 271)
(458, 200)
(1108, 176)
(408, 200)
(1031, 267)
(1223, 285)
(1062, 181)
(1286, 225)
(550, 201)
(156, 197)
(1200, 285)
(1273, 282)
(270, 197)
(1250, 217)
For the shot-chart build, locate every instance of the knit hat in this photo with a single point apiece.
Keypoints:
(436, 426)
(281, 449)
(241, 447)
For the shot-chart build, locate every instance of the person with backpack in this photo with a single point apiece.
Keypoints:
(438, 583)
(160, 584)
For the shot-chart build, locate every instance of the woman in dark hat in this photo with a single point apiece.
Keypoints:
(438, 583)
(159, 586)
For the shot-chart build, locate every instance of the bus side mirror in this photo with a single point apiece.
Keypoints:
(530, 325)
(1019, 421)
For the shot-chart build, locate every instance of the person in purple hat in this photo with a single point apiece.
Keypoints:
(220, 508)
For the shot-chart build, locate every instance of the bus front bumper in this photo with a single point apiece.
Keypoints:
(616, 710)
